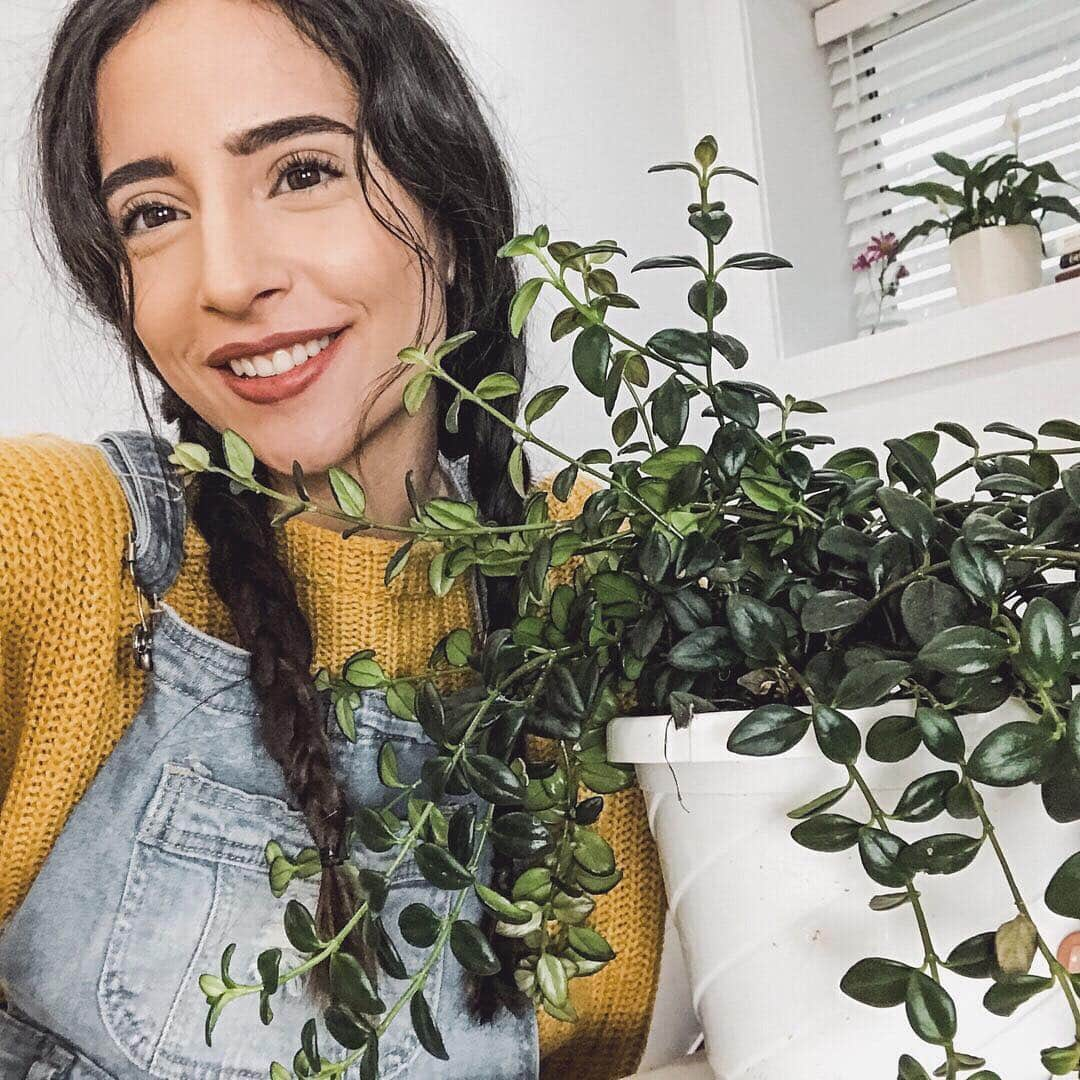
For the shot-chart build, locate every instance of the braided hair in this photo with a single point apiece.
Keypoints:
(422, 116)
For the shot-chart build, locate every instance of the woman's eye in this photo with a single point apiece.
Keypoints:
(143, 211)
(306, 172)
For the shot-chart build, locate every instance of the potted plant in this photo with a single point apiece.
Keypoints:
(727, 598)
(995, 243)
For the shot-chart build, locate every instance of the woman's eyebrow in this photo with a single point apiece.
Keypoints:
(241, 144)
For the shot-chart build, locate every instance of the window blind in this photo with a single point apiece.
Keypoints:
(944, 76)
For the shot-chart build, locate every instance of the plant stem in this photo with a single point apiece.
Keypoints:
(1056, 969)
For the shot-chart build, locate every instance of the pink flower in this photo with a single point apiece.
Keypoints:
(903, 272)
(884, 245)
(861, 263)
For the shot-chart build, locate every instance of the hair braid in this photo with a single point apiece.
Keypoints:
(247, 574)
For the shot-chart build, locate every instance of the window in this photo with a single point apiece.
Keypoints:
(943, 75)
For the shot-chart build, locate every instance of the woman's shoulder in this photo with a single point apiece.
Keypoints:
(58, 497)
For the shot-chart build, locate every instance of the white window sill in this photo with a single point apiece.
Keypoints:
(960, 336)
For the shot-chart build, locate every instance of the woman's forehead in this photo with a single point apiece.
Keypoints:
(192, 72)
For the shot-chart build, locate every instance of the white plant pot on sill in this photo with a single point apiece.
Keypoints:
(768, 928)
(996, 261)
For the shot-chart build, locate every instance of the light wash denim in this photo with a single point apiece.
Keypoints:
(160, 866)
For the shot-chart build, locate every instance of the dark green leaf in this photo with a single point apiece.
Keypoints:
(1012, 754)
(945, 853)
(1007, 995)
(670, 410)
(826, 832)
(880, 853)
(681, 346)
(832, 609)
(426, 1029)
(964, 650)
(877, 981)
(1063, 892)
(351, 986)
(941, 733)
(909, 516)
(978, 570)
(869, 683)
(590, 357)
(1045, 641)
(419, 925)
(441, 868)
(893, 738)
(930, 1011)
(768, 730)
(472, 949)
(837, 735)
(924, 798)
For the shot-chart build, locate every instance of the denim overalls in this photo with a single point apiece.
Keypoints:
(160, 866)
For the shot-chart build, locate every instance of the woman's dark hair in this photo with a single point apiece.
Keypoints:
(421, 114)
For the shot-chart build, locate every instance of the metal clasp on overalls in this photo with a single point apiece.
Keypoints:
(142, 636)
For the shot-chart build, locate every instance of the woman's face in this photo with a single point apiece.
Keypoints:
(237, 235)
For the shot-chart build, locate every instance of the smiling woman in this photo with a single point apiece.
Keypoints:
(278, 197)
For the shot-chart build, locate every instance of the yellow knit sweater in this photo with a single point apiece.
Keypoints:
(69, 688)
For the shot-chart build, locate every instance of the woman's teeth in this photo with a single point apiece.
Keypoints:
(280, 361)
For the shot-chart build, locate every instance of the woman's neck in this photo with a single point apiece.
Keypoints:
(404, 444)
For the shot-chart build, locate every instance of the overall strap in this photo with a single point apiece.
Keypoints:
(155, 497)
(457, 470)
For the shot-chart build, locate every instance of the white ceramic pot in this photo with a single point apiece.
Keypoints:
(996, 261)
(768, 928)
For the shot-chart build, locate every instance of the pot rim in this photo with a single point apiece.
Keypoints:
(640, 740)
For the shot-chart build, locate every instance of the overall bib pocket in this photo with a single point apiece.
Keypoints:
(197, 880)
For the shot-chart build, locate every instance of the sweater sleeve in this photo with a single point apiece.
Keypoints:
(63, 679)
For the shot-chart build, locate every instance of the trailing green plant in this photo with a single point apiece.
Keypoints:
(998, 189)
(726, 572)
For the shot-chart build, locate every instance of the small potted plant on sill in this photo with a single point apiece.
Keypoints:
(995, 242)
(922, 619)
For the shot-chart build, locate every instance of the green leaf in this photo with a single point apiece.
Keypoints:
(497, 385)
(523, 302)
(300, 928)
(832, 609)
(543, 402)
(493, 779)
(238, 455)
(974, 958)
(881, 853)
(826, 832)
(388, 767)
(909, 516)
(551, 977)
(978, 570)
(590, 357)
(472, 950)
(941, 733)
(1008, 994)
(441, 868)
(427, 1031)
(1045, 641)
(878, 982)
(924, 798)
(893, 738)
(917, 465)
(680, 346)
(351, 986)
(928, 606)
(768, 730)
(419, 925)
(516, 469)
(837, 735)
(498, 905)
(869, 683)
(1060, 1060)
(590, 944)
(930, 1011)
(191, 456)
(415, 391)
(756, 627)
(910, 1069)
(945, 853)
(665, 463)
(964, 650)
(1063, 892)
(1012, 754)
(670, 410)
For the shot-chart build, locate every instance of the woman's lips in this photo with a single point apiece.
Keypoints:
(268, 389)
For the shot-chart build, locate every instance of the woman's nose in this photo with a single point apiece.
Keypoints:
(238, 262)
